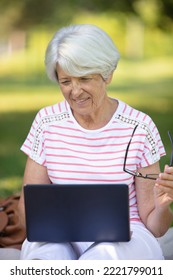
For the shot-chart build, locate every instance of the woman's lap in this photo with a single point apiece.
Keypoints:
(143, 245)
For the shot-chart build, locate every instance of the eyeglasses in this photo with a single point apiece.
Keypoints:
(138, 174)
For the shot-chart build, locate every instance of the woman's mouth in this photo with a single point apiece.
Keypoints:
(81, 101)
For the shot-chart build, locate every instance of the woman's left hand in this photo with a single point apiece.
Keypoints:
(164, 188)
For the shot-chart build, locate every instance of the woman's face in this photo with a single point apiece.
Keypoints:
(86, 95)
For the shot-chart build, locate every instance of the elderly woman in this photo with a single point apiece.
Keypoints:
(93, 138)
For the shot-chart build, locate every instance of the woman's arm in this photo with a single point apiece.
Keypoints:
(34, 174)
(154, 199)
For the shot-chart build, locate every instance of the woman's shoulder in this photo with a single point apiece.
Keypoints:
(129, 114)
(52, 113)
(55, 109)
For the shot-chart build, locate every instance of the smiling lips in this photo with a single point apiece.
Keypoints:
(81, 101)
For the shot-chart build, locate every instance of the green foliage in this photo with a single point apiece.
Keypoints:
(30, 13)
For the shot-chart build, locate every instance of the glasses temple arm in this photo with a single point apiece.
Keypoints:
(170, 137)
(127, 149)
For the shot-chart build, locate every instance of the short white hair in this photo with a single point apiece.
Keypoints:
(81, 50)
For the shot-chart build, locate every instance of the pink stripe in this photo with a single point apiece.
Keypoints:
(45, 109)
(53, 111)
(136, 142)
(133, 211)
(135, 219)
(90, 139)
(133, 157)
(138, 114)
(133, 205)
(145, 147)
(162, 154)
(59, 107)
(66, 105)
(91, 146)
(124, 108)
(64, 127)
(157, 135)
(84, 152)
(118, 129)
(44, 162)
(84, 145)
(87, 180)
(75, 157)
(86, 165)
(27, 139)
(85, 172)
(134, 150)
(27, 147)
(161, 147)
(103, 159)
(41, 153)
(131, 111)
(33, 126)
(31, 134)
(132, 191)
(144, 117)
(146, 160)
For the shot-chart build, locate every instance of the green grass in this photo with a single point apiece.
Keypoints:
(146, 85)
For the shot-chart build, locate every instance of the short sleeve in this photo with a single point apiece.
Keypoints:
(33, 146)
(153, 148)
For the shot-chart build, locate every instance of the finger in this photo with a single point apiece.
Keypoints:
(167, 174)
(164, 183)
(168, 169)
(165, 192)
(165, 188)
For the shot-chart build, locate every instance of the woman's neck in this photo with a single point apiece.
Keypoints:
(99, 118)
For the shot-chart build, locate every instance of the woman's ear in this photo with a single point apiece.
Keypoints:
(109, 79)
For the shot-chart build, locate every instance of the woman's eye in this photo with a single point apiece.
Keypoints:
(66, 82)
(86, 78)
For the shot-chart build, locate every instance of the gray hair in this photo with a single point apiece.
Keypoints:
(81, 50)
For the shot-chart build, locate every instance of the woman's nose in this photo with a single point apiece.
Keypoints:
(76, 88)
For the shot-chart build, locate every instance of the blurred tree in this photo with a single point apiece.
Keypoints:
(28, 13)
(168, 8)
(17, 14)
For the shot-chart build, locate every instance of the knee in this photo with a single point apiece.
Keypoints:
(47, 251)
(101, 251)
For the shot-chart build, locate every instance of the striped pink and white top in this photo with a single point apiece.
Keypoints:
(73, 154)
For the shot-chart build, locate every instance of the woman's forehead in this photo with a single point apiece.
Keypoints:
(62, 74)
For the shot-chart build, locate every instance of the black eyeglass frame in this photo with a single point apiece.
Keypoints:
(138, 174)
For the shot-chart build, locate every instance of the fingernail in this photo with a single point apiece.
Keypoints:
(168, 169)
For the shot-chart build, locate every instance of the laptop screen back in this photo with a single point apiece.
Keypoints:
(68, 213)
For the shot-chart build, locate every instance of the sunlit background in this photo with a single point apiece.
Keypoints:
(142, 31)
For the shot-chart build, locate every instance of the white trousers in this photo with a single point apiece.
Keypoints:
(143, 245)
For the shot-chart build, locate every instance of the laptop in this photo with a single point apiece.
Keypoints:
(71, 213)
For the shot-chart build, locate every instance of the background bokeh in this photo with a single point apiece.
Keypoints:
(142, 31)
